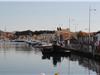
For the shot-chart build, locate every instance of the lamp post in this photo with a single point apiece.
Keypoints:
(69, 19)
(89, 23)
(69, 23)
(90, 9)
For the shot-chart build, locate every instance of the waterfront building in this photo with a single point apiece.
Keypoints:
(64, 37)
(46, 37)
(97, 40)
(83, 37)
(6, 36)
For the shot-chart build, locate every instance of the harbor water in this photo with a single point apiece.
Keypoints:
(20, 59)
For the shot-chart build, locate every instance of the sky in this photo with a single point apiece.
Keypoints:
(52, 0)
(48, 15)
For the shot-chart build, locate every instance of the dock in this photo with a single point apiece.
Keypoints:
(49, 48)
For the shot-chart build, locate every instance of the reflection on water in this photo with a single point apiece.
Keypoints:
(87, 63)
(19, 59)
(56, 57)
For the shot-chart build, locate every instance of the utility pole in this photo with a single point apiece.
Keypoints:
(89, 22)
(90, 9)
(69, 23)
(68, 42)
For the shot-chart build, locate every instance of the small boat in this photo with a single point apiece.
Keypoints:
(54, 50)
(59, 47)
(47, 48)
(58, 53)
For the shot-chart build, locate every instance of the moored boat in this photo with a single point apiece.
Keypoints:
(57, 53)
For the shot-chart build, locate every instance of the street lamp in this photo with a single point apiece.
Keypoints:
(69, 23)
(90, 9)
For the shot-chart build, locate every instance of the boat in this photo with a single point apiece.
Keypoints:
(54, 49)
(56, 53)
(59, 47)
(47, 48)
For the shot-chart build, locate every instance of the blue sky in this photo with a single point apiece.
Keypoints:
(48, 15)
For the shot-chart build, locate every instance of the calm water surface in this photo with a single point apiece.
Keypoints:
(19, 59)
